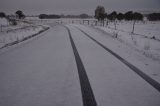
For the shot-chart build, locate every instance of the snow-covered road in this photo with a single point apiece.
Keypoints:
(44, 72)
(41, 72)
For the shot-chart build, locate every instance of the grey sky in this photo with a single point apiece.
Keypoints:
(77, 6)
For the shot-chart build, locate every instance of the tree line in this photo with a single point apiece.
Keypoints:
(46, 16)
(154, 17)
(18, 14)
(100, 14)
(55, 16)
(12, 18)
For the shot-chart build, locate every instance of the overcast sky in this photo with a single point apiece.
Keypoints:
(76, 6)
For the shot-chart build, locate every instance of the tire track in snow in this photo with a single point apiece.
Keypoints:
(147, 78)
(87, 92)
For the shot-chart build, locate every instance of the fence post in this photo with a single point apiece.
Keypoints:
(133, 26)
(95, 23)
(107, 23)
(115, 24)
(1, 28)
(103, 23)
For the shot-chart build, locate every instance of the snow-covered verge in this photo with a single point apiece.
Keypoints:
(3, 22)
(145, 38)
(147, 65)
(19, 34)
(148, 29)
(44, 21)
(6, 27)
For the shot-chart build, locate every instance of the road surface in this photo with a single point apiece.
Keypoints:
(64, 67)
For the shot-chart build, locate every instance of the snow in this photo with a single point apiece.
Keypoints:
(147, 65)
(113, 83)
(16, 33)
(145, 28)
(147, 46)
(145, 39)
(41, 72)
(6, 27)
(9, 37)
(3, 22)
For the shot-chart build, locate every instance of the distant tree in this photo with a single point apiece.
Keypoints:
(120, 16)
(20, 14)
(13, 22)
(109, 17)
(137, 16)
(128, 15)
(53, 16)
(62, 16)
(100, 13)
(112, 16)
(153, 17)
(105, 15)
(2, 15)
(45, 16)
(83, 16)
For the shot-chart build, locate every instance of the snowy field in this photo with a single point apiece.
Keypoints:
(142, 28)
(145, 39)
(3, 22)
(11, 33)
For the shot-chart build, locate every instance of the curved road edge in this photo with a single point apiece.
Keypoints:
(26, 38)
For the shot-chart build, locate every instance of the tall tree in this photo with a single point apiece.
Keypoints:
(100, 13)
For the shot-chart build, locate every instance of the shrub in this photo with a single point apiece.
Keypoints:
(154, 17)
(120, 16)
(2, 15)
